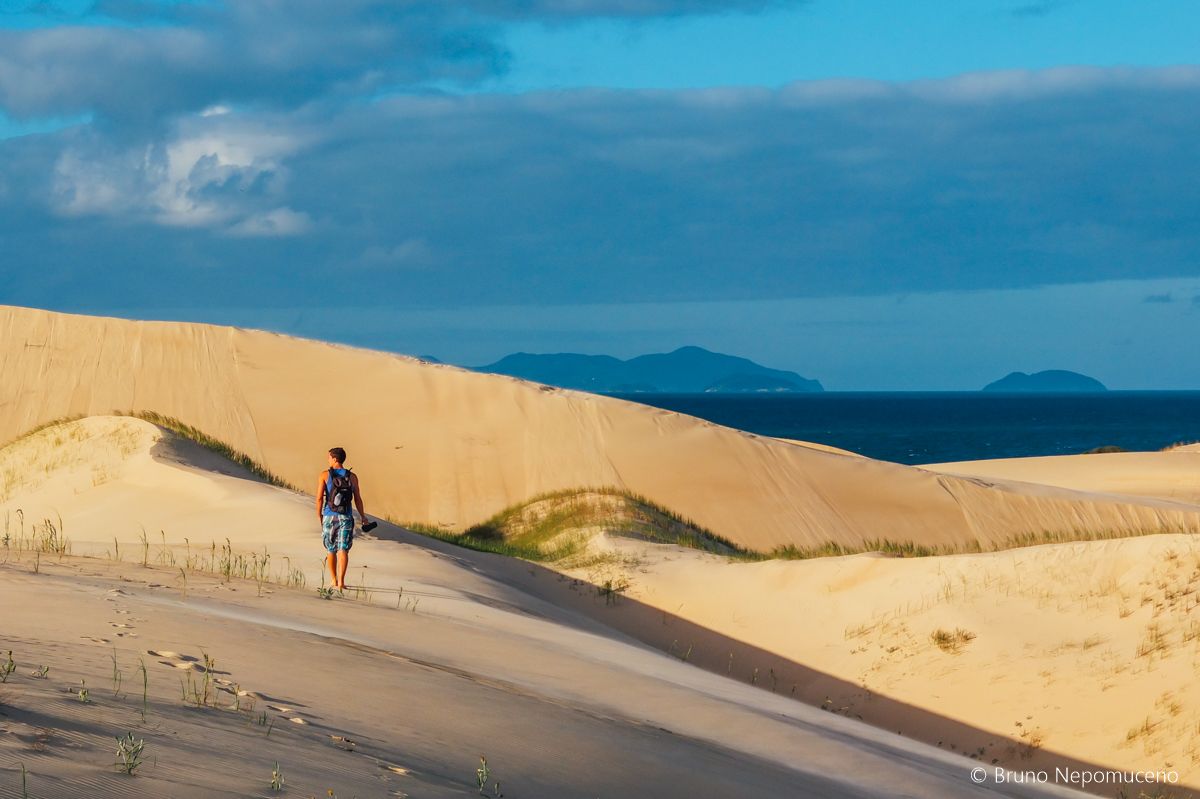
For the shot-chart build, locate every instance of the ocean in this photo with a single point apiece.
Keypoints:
(935, 427)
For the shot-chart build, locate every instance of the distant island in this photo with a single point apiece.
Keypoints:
(687, 370)
(1049, 381)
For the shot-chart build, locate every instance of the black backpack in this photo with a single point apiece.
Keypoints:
(339, 494)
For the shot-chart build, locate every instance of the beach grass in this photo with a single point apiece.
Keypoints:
(555, 525)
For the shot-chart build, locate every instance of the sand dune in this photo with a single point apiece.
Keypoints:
(1053, 673)
(1087, 650)
(1172, 475)
(467, 660)
(450, 447)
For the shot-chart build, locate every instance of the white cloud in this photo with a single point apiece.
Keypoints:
(212, 171)
(410, 253)
(276, 222)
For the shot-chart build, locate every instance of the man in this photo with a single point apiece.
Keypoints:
(336, 489)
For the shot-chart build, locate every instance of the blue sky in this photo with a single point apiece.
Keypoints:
(882, 39)
(822, 186)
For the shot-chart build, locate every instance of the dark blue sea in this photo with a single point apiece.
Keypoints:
(916, 427)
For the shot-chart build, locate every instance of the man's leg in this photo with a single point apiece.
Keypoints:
(331, 564)
(343, 561)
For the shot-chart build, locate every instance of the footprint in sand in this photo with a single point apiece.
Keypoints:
(176, 660)
(94, 640)
(169, 655)
(296, 720)
(127, 635)
(342, 742)
(120, 625)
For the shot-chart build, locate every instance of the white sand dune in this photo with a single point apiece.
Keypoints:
(446, 446)
(467, 660)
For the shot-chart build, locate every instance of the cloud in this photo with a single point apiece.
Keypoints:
(140, 60)
(276, 222)
(199, 55)
(212, 172)
(407, 254)
(1038, 8)
(978, 182)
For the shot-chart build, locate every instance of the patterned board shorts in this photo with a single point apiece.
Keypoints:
(338, 533)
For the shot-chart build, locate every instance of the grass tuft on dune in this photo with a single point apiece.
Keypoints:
(557, 525)
(212, 444)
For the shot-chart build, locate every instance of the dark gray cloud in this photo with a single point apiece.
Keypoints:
(985, 181)
(251, 51)
(139, 59)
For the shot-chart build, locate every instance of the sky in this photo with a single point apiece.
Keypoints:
(878, 195)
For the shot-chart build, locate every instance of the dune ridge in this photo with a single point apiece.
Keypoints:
(1173, 474)
(450, 447)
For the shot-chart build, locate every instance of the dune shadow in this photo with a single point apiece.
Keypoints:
(749, 664)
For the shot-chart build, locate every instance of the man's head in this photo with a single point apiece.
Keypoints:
(337, 456)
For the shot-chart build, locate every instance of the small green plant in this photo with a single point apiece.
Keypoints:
(7, 668)
(145, 688)
(24, 782)
(482, 774)
(209, 663)
(129, 753)
(82, 694)
(326, 593)
(951, 642)
(117, 675)
(40, 672)
(276, 778)
(611, 590)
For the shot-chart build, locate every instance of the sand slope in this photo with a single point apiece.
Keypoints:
(465, 661)
(442, 445)
(1173, 474)
(1087, 650)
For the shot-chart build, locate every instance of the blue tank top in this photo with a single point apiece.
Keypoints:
(326, 510)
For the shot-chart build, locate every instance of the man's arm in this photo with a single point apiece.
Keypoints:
(321, 496)
(358, 501)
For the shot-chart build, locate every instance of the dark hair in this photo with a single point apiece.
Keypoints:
(339, 454)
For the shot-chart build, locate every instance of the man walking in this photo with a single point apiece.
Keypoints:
(336, 490)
